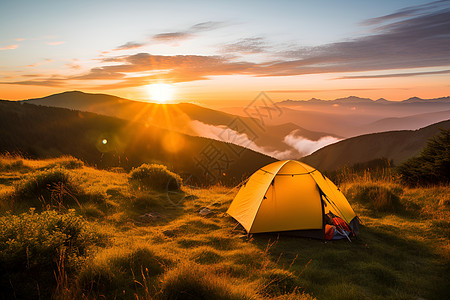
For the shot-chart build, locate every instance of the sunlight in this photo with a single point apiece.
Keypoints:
(161, 92)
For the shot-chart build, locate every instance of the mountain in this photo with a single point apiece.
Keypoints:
(393, 145)
(359, 100)
(42, 132)
(407, 123)
(187, 118)
(420, 100)
(334, 121)
(353, 116)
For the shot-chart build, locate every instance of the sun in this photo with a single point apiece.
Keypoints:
(161, 92)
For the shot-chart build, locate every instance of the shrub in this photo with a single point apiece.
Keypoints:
(32, 239)
(52, 187)
(432, 166)
(67, 162)
(32, 243)
(376, 197)
(156, 177)
(11, 165)
(191, 281)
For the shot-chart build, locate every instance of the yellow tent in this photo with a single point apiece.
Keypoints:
(289, 196)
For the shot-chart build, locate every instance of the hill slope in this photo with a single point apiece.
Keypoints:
(186, 118)
(393, 145)
(39, 131)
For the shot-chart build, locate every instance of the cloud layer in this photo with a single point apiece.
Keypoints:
(415, 37)
(305, 146)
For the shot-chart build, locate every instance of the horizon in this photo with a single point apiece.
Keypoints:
(207, 104)
(227, 54)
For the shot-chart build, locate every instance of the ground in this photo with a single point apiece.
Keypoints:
(148, 244)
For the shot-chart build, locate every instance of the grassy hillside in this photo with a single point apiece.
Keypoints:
(123, 243)
(393, 145)
(44, 132)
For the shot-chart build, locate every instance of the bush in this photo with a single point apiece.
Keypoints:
(191, 281)
(7, 166)
(156, 177)
(31, 244)
(67, 162)
(376, 197)
(47, 188)
(432, 166)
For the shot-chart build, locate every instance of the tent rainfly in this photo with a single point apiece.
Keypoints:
(290, 197)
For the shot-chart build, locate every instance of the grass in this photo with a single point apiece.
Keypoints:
(402, 251)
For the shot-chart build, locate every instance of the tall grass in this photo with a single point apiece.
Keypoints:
(192, 281)
(53, 188)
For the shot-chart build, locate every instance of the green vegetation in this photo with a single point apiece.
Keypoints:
(432, 166)
(31, 246)
(156, 177)
(116, 242)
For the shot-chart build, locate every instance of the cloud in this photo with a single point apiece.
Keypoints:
(39, 82)
(189, 33)
(171, 36)
(305, 146)
(247, 46)
(19, 39)
(225, 134)
(129, 45)
(405, 13)
(10, 47)
(177, 68)
(420, 39)
(395, 75)
(55, 43)
(74, 64)
(207, 26)
(40, 63)
(318, 91)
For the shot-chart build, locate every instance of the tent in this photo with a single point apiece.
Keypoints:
(290, 197)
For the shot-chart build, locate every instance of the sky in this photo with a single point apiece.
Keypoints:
(222, 53)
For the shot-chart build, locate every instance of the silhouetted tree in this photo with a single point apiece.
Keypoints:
(432, 166)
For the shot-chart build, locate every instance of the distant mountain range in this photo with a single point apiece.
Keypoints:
(42, 132)
(177, 135)
(351, 100)
(353, 116)
(393, 145)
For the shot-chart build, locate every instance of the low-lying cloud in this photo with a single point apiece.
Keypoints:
(305, 146)
(300, 146)
(224, 134)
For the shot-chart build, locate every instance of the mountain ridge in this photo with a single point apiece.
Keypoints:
(104, 141)
(186, 118)
(359, 100)
(396, 145)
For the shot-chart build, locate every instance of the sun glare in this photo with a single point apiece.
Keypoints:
(161, 92)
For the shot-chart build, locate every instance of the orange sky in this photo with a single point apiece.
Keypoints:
(291, 50)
